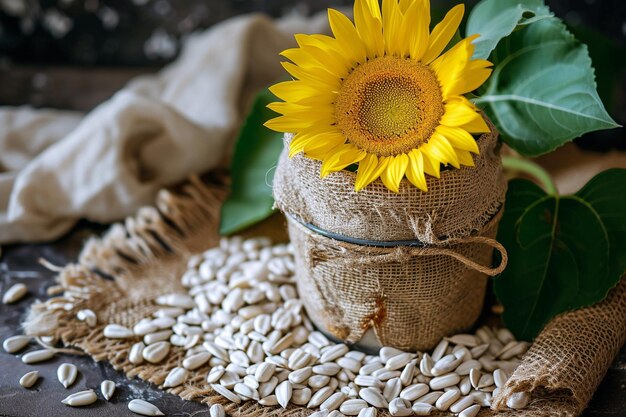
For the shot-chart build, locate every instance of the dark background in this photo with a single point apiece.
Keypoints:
(72, 54)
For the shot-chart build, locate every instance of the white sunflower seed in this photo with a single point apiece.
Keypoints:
(318, 340)
(176, 377)
(373, 397)
(216, 350)
(79, 399)
(471, 411)
(266, 388)
(446, 364)
(479, 350)
(368, 412)
(156, 352)
(505, 336)
(447, 399)
(161, 336)
(400, 407)
(176, 300)
(465, 367)
(246, 392)
(367, 381)
(107, 388)
(518, 400)
(440, 350)
(135, 355)
(387, 353)
(352, 407)
(329, 369)
(15, 343)
(468, 340)
(320, 413)
(301, 396)
(430, 398)
(38, 356)
(320, 396)
(29, 379)
(284, 391)
(426, 365)
(413, 392)
(408, 372)
(474, 377)
(144, 408)
(333, 352)
(116, 331)
(398, 361)
(217, 410)
(422, 409)
(67, 373)
(269, 401)
(164, 322)
(392, 389)
(226, 393)
(461, 404)
(499, 378)
(465, 385)
(88, 316)
(265, 371)
(485, 381)
(14, 293)
(333, 402)
(318, 381)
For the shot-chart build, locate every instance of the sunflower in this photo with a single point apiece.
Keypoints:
(381, 94)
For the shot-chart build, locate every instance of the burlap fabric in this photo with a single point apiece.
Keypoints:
(455, 206)
(410, 297)
(118, 275)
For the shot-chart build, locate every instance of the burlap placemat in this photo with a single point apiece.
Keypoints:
(119, 274)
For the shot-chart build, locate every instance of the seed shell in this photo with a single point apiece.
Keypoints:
(144, 408)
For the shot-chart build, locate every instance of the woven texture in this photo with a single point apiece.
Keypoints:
(461, 202)
(411, 298)
(146, 255)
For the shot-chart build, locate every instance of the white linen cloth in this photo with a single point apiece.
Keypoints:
(59, 166)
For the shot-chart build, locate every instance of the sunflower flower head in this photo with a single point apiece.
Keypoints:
(381, 94)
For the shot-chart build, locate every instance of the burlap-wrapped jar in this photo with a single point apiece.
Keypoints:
(426, 276)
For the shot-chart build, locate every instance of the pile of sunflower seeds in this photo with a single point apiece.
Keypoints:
(242, 324)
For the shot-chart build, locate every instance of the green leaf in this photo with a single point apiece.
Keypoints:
(494, 20)
(542, 93)
(252, 170)
(565, 252)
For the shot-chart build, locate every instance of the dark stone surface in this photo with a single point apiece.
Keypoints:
(18, 263)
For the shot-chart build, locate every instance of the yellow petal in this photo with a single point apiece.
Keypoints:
(432, 165)
(347, 36)
(465, 158)
(370, 168)
(443, 33)
(302, 93)
(477, 125)
(395, 171)
(458, 138)
(318, 75)
(392, 19)
(288, 124)
(369, 26)
(458, 113)
(320, 140)
(420, 33)
(339, 159)
(450, 67)
(415, 170)
(442, 150)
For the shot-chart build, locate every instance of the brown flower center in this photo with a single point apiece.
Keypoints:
(389, 105)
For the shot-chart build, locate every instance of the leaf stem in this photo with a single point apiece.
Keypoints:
(533, 169)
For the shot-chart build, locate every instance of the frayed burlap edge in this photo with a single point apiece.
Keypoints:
(118, 275)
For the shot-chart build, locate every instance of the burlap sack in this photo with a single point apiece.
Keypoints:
(410, 297)
(146, 256)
